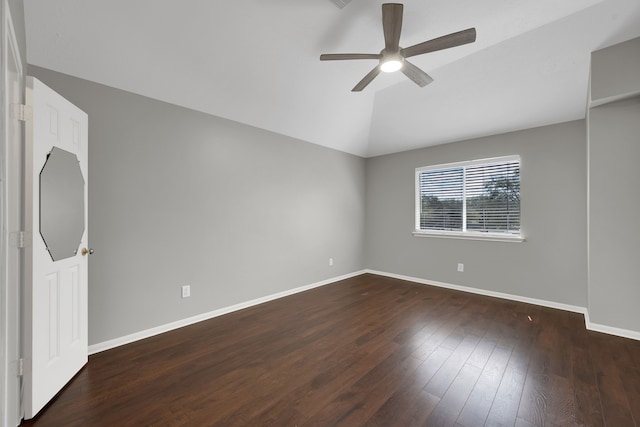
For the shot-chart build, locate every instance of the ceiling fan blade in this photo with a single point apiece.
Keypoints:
(366, 80)
(341, 56)
(392, 25)
(444, 42)
(418, 76)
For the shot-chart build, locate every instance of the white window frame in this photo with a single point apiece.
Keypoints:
(464, 234)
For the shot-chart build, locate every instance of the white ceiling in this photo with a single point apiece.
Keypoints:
(257, 62)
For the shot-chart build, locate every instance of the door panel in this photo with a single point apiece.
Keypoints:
(56, 289)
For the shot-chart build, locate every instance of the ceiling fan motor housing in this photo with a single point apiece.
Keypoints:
(391, 61)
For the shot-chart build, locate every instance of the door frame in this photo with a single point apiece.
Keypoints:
(11, 201)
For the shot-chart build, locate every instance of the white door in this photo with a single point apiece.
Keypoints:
(55, 346)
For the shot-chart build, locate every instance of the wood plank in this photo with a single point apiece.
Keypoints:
(615, 406)
(440, 383)
(477, 407)
(368, 350)
(360, 401)
(588, 410)
(449, 407)
(521, 332)
(626, 359)
(411, 404)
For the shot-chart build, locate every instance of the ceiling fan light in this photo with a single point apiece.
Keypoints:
(391, 65)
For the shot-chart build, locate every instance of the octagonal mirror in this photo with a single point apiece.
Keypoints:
(61, 204)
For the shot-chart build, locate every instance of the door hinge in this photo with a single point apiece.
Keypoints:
(20, 239)
(20, 367)
(21, 112)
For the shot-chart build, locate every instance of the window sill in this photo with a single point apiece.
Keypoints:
(492, 237)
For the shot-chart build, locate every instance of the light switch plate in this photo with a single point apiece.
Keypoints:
(186, 291)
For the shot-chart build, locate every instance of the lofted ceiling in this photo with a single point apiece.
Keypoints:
(257, 62)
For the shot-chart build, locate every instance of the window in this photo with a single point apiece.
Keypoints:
(476, 199)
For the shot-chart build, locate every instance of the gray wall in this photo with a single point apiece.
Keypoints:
(615, 71)
(614, 199)
(614, 224)
(551, 265)
(17, 15)
(180, 197)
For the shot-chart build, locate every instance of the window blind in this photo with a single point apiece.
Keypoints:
(476, 196)
(442, 194)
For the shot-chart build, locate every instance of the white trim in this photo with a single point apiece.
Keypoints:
(466, 163)
(469, 235)
(417, 201)
(611, 330)
(127, 339)
(11, 177)
(613, 98)
(588, 207)
(512, 297)
(4, 239)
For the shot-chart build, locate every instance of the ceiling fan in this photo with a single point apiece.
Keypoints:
(393, 57)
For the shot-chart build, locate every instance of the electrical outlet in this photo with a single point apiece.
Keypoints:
(186, 291)
(460, 267)
(330, 262)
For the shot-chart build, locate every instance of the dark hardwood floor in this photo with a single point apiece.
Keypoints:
(368, 351)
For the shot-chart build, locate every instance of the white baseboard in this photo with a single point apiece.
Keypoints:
(512, 297)
(611, 330)
(116, 342)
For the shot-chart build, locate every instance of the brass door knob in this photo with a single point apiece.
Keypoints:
(87, 251)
